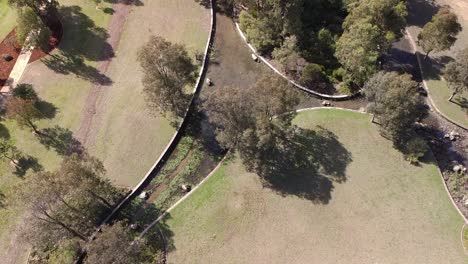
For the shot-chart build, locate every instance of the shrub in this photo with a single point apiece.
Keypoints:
(415, 149)
(312, 75)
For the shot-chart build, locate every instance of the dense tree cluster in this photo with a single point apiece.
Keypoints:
(295, 33)
(369, 30)
(346, 40)
(65, 206)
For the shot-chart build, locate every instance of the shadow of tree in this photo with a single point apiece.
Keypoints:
(305, 163)
(2, 200)
(61, 140)
(421, 11)
(461, 101)
(82, 40)
(142, 214)
(25, 163)
(125, 2)
(48, 110)
(4, 132)
(64, 63)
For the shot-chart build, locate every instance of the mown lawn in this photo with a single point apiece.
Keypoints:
(64, 92)
(386, 211)
(438, 87)
(128, 137)
(7, 19)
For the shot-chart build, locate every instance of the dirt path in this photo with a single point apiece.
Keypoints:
(121, 11)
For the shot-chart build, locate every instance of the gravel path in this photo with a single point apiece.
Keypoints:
(121, 11)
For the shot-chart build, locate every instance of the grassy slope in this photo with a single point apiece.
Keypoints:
(129, 138)
(66, 92)
(438, 88)
(7, 19)
(387, 211)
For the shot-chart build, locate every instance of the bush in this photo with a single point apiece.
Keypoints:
(415, 149)
(457, 184)
(338, 74)
(312, 75)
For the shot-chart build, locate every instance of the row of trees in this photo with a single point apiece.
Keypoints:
(65, 206)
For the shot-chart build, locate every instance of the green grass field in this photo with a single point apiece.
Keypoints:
(66, 93)
(386, 211)
(438, 88)
(7, 19)
(128, 138)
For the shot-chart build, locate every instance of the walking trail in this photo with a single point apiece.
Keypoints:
(121, 11)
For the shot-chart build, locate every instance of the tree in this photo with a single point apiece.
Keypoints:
(9, 151)
(23, 112)
(31, 31)
(67, 203)
(456, 73)
(369, 30)
(440, 33)
(414, 149)
(67, 251)
(116, 245)
(312, 75)
(395, 103)
(26, 92)
(167, 70)
(243, 116)
(46, 10)
(358, 50)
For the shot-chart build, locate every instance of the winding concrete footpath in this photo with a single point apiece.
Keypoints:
(432, 104)
(183, 198)
(319, 95)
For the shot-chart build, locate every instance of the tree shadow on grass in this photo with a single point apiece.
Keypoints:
(65, 63)
(82, 40)
(305, 163)
(421, 11)
(460, 101)
(61, 140)
(2, 200)
(48, 110)
(25, 163)
(4, 132)
(142, 214)
(125, 2)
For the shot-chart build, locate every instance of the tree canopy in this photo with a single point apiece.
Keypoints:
(115, 245)
(24, 112)
(440, 33)
(243, 116)
(456, 73)
(396, 104)
(67, 203)
(167, 70)
(369, 30)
